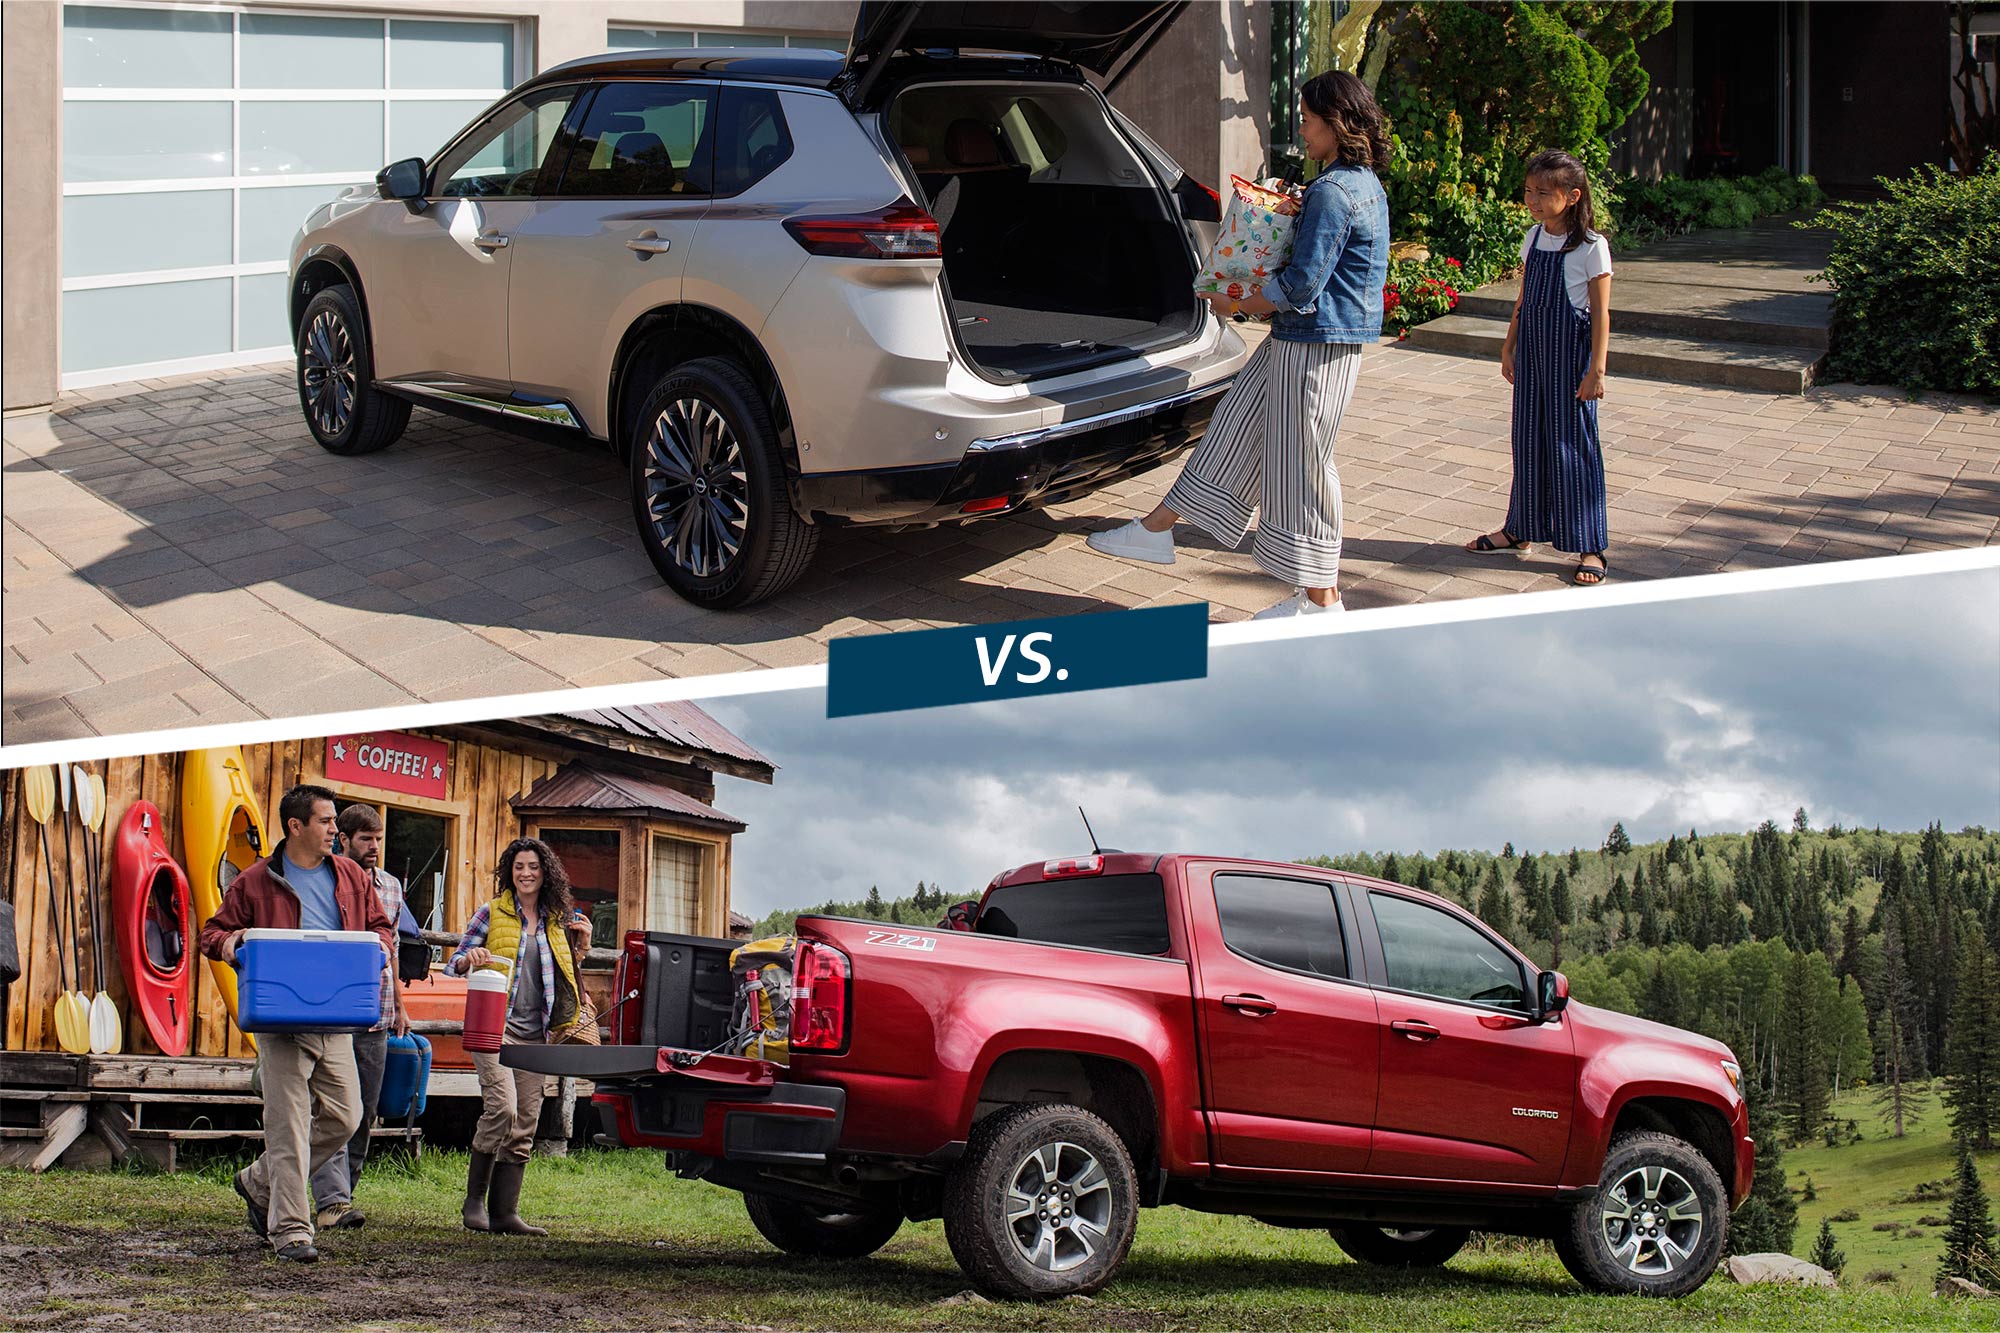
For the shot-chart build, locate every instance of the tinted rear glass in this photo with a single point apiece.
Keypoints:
(1123, 913)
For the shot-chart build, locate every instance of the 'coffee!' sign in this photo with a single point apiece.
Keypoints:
(392, 761)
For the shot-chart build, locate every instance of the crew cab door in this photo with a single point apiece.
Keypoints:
(1472, 1088)
(1288, 1036)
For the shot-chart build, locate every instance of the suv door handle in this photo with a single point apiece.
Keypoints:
(1256, 1006)
(490, 241)
(649, 242)
(1415, 1029)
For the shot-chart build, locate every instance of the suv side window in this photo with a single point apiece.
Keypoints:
(1435, 953)
(753, 140)
(503, 158)
(1289, 923)
(643, 141)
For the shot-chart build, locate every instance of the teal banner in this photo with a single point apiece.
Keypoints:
(926, 668)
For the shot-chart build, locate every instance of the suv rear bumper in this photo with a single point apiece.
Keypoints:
(1036, 467)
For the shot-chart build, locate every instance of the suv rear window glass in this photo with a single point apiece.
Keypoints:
(643, 140)
(1122, 913)
(1290, 923)
(751, 140)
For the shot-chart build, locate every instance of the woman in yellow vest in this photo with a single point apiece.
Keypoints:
(512, 933)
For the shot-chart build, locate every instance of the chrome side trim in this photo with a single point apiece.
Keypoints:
(552, 413)
(1117, 416)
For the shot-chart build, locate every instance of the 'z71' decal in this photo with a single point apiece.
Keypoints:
(890, 939)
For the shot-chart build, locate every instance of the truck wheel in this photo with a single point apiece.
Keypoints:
(344, 410)
(797, 1229)
(1042, 1205)
(1393, 1247)
(708, 488)
(1657, 1224)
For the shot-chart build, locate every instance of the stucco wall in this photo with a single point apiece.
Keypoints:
(31, 202)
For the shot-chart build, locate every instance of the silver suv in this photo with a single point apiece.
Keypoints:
(936, 280)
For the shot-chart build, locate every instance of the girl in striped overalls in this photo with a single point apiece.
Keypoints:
(1554, 357)
(1268, 453)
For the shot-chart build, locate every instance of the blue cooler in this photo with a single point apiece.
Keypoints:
(406, 1077)
(309, 981)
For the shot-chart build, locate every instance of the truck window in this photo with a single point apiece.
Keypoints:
(1434, 953)
(1122, 913)
(1289, 923)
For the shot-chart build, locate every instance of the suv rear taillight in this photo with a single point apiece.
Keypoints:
(1198, 202)
(819, 999)
(900, 231)
(1072, 866)
(628, 986)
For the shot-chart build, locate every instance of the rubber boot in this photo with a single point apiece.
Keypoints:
(477, 1177)
(505, 1200)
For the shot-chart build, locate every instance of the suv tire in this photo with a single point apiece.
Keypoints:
(1043, 1204)
(708, 488)
(344, 410)
(1393, 1247)
(797, 1229)
(1657, 1224)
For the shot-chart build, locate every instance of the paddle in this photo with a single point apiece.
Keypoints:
(72, 1024)
(105, 1034)
(82, 1001)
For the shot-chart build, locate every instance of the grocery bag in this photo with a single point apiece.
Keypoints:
(1254, 243)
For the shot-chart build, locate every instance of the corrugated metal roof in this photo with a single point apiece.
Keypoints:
(578, 786)
(680, 724)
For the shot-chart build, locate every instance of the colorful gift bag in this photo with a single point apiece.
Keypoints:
(1255, 241)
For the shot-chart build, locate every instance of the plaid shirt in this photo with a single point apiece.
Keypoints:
(390, 890)
(475, 938)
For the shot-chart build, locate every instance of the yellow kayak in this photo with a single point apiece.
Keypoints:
(223, 834)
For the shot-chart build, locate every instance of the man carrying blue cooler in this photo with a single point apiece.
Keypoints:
(333, 1184)
(311, 1088)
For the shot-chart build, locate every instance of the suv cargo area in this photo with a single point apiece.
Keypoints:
(1060, 247)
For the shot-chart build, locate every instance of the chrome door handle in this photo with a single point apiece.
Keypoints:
(490, 241)
(649, 243)
(1256, 1006)
(1415, 1029)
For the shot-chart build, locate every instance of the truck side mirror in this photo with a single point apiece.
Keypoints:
(1552, 994)
(960, 916)
(403, 180)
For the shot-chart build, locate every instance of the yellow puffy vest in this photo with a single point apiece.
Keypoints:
(503, 940)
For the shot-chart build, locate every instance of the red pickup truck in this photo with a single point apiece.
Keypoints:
(1120, 1031)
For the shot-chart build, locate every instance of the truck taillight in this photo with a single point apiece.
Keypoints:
(1071, 866)
(628, 985)
(819, 999)
(900, 231)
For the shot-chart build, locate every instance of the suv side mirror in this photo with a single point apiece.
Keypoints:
(1551, 994)
(403, 180)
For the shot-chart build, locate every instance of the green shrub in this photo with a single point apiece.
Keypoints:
(1649, 209)
(1916, 283)
(1420, 290)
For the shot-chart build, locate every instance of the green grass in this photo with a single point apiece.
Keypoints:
(1873, 1178)
(635, 1248)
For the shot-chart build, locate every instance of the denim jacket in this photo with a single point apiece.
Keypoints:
(1331, 291)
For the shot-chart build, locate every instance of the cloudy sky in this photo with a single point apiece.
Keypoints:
(1866, 703)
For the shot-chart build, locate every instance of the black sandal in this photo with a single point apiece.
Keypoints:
(1484, 544)
(1589, 576)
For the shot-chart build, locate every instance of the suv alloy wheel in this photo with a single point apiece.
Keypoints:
(344, 410)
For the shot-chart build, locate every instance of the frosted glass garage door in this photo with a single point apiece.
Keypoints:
(197, 140)
(625, 37)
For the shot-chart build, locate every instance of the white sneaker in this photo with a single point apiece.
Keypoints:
(1131, 541)
(1298, 604)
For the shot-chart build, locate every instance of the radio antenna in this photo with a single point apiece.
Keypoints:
(1094, 848)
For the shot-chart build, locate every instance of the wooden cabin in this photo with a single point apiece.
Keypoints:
(624, 796)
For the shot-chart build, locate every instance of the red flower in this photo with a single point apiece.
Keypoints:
(1454, 263)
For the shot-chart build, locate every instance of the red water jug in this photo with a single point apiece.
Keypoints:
(485, 1010)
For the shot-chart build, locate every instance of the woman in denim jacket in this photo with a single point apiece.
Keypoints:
(1270, 447)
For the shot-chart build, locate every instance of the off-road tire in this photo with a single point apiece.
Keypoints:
(797, 1229)
(976, 1202)
(375, 420)
(776, 545)
(1390, 1247)
(1581, 1241)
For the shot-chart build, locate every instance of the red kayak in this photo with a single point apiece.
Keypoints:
(150, 900)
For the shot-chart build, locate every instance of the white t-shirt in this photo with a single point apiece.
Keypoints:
(1590, 260)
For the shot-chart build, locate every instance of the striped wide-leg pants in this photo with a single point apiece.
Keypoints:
(1269, 456)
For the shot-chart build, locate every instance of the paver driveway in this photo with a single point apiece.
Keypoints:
(180, 551)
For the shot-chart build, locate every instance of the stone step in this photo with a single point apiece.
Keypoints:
(1694, 311)
(1736, 365)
